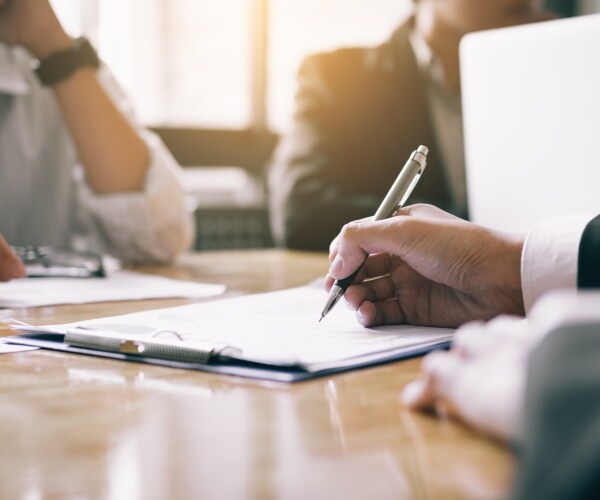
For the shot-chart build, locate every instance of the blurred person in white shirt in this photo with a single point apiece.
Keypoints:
(76, 170)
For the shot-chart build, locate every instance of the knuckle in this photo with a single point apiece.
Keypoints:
(416, 209)
(421, 207)
(349, 230)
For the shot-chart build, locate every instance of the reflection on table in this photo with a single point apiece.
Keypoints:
(76, 426)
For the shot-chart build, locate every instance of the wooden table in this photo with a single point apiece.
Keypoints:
(83, 427)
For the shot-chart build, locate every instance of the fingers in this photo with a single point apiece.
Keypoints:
(348, 253)
(11, 266)
(424, 241)
(375, 265)
(333, 249)
(374, 291)
(414, 245)
(416, 226)
(382, 300)
(439, 370)
(380, 313)
(486, 393)
(504, 332)
(333, 246)
(358, 239)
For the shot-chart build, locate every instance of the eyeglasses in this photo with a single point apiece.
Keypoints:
(49, 262)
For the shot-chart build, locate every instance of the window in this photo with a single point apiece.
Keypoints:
(228, 64)
(298, 28)
(221, 64)
(217, 78)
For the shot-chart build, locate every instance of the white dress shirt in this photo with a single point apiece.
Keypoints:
(445, 107)
(550, 256)
(44, 198)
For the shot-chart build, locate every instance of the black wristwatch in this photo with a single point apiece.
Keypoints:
(64, 63)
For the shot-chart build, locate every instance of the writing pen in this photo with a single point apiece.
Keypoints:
(395, 199)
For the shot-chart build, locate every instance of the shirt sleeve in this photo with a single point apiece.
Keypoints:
(550, 254)
(152, 225)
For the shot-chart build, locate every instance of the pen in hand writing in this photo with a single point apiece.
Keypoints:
(394, 200)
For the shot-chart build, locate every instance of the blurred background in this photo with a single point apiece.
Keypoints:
(216, 79)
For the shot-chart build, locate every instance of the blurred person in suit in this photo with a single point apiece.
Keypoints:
(360, 112)
(533, 385)
(76, 169)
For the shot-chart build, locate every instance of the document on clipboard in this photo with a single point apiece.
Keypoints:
(273, 336)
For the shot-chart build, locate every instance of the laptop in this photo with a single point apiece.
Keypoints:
(531, 108)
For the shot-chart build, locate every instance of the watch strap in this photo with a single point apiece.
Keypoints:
(62, 64)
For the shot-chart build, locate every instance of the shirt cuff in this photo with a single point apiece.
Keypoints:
(550, 255)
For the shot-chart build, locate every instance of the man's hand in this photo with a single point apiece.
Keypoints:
(427, 267)
(481, 380)
(11, 266)
(33, 25)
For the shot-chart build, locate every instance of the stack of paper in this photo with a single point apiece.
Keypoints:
(119, 285)
(274, 335)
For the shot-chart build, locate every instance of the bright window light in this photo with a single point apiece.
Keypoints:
(299, 28)
(189, 63)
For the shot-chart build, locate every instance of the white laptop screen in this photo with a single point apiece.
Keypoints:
(531, 105)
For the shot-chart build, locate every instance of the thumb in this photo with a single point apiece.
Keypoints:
(361, 238)
(349, 253)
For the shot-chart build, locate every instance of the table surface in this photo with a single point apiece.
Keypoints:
(82, 427)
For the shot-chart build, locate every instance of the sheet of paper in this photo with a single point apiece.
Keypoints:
(277, 328)
(9, 348)
(119, 285)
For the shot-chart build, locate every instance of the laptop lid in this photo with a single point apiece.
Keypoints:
(531, 107)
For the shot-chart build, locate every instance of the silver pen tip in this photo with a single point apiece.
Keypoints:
(322, 316)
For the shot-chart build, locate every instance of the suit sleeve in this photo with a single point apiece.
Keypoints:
(560, 453)
(588, 266)
(308, 203)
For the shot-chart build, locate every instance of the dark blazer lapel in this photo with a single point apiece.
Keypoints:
(411, 101)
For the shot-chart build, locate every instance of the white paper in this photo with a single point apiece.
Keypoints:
(9, 348)
(119, 285)
(277, 328)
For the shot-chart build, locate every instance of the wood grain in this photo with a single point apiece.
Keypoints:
(83, 427)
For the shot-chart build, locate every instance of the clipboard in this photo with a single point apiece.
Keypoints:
(228, 351)
(238, 368)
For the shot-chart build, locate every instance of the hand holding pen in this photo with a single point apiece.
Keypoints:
(395, 199)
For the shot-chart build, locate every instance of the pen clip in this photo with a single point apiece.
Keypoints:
(410, 189)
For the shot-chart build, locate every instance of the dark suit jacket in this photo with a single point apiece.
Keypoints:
(360, 112)
(588, 266)
(560, 455)
(560, 458)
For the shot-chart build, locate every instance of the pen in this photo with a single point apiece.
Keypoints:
(89, 337)
(395, 199)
